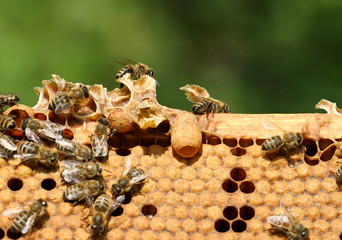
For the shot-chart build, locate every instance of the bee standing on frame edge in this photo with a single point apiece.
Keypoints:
(8, 100)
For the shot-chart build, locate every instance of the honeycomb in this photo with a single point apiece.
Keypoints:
(208, 177)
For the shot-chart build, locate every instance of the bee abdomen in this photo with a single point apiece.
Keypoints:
(272, 143)
(19, 222)
(7, 123)
(339, 173)
(102, 203)
(123, 71)
(135, 172)
(62, 99)
(200, 107)
(28, 147)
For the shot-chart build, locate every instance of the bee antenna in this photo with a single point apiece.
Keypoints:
(114, 131)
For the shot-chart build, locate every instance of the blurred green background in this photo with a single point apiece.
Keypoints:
(257, 56)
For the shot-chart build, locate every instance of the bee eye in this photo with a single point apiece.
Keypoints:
(86, 93)
(23, 126)
(93, 227)
(101, 187)
(12, 125)
(100, 170)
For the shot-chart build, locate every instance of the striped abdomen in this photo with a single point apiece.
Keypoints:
(7, 123)
(135, 172)
(272, 143)
(28, 147)
(74, 192)
(123, 71)
(201, 107)
(63, 100)
(102, 203)
(20, 221)
(339, 173)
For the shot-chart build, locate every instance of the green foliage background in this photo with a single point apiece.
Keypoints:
(258, 56)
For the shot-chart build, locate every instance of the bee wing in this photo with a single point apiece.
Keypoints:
(71, 172)
(125, 61)
(279, 220)
(71, 163)
(51, 129)
(69, 145)
(128, 165)
(29, 223)
(52, 126)
(138, 178)
(31, 135)
(8, 144)
(26, 156)
(271, 126)
(100, 146)
(88, 198)
(195, 93)
(12, 212)
(116, 203)
(63, 107)
(74, 195)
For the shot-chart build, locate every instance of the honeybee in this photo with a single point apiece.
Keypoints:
(26, 218)
(30, 150)
(75, 149)
(99, 139)
(286, 142)
(339, 174)
(8, 100)
(101, 210)
(134, 68)
(86, 190)
(35, 128)
(129, 180)
(288, 224)
(76, 171)
(7, 123)
(67, 99)
(209, 105)
(7, 146)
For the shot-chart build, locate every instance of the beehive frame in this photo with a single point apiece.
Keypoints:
(225, 191)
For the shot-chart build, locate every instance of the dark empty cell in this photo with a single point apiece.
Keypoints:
(147, 141)
(131, 141)
(13, 235)
(222, 225)
(247, 213)
(311, 147)
(128, 198)
(40, 116)
(164, 141)
(323, 143)
(123, 151)
(115, 141)
(230, 213)
(246, 142)
(238, 174)
(311, 161)
(163, 127)
(213, 140)
(2, 234)
(48, 184)
(328, 153)
(149, 210)
(260, 141)
(17, 113)
(58, 118)
(341, 236)
(117, 212)
(15, 184)
(72, 121)
(247, 187)
(229, 186)
(67, 133)
(230, 142)
(238, 151)
(239, 226)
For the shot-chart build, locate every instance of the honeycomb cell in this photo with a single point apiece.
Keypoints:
(164, 236)
(173, 199)
(271, 199)
(164, 185)
(182, 212)
(229, 186)
(148, 235)
(255, 199)
(319, 171)
(149, 210)
(303, 170)
(247, 162)
(181, 186)
(12, 235)
(329, 213)
(313, 213)
(48, 184)
(197, 236)
(239, 226)
(2, 233)
(263, 186)
(197, 186)
(238, 199)
(328, 153)
(304, 200)
(198, 213)
(221, 198)
(222, 225)
(165, 211)
(221, 150)
(118, 212)
(230, 212)
(57, 221)
(213, 140)
(255, 174)
(311, 161)
(173, 225)
(181, 235)
(189, 225)
(189, 173)
(205, 199)
(323, 143)
(238, 174)
(56, 118)
(296, 186)
(132, 234)
(15, 184)
(247, 213)
(329, 185)
(123, 151)
(189, 199)
(312, 185)
(321, 226)
(321, 198)
(247, 187)
(238, 151)
(6, 196)
(205, 173)
(288, 174)
(205, 226)
(262, 212)
(173, 172)
(147, 161)
(246, 142)
(157, 198)
(214, 212)
(140, 223)
(230, 142)
(311, 147)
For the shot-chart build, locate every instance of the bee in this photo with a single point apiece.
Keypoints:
(7, 146)
(129, 180)
(7, 123)
(288, 224)
(26, 218)
(76, 171)
(68, 99)
(30, 150)
(35, 128)
(85, 190)
(135, 69)
(287, 141)
(8, 100)
(209, 105)
(339, 174)
(101, 210)
(99, 139)
(75, 149)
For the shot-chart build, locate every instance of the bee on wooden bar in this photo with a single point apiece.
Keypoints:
(72, 148)
(131, 177)
(288, 224)
(36, 129)
(26, 218)
(67, 99)
(209, 105)
(86, 190)
(32, 151)
(76, 171)
(8, 100)
(7, 123)
(7, 146)
(134, 68)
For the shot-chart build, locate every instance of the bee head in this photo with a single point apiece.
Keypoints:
(225, 108)
(85, 91)
(99, 169)
(24, 125)
(150, 72)
(16, 98)
(103, 120)
(116, 190)
(86, 153)
(299, 138)
(42, 202)
(305, 233)
(12, 125)
(53, 159)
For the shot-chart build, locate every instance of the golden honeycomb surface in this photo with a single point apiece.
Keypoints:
(226, 190)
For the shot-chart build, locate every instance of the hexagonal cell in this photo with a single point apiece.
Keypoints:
(238, 174)
(247, 213)
(48, 184)
(2, 233)
(230, 142)
(163, 127)
(213, 140)
(117, 212)
(149, 210)
(12, 235)
(115, 141)
(246, 142)
(239, 226)
(123, 151)
(229, 186)
(58, 118)
(67, 133)
(147, 141)
(260, 141)
(247, 187)
(238, 151)
(311, 147)
(40, 116)
(222, 225)
(323, 143)
(328, 153)
(230, 213)
(311, 161)
(130, 140)
(164, 141)
(15, 184)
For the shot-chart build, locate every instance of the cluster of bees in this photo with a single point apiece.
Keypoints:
(85, 175)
